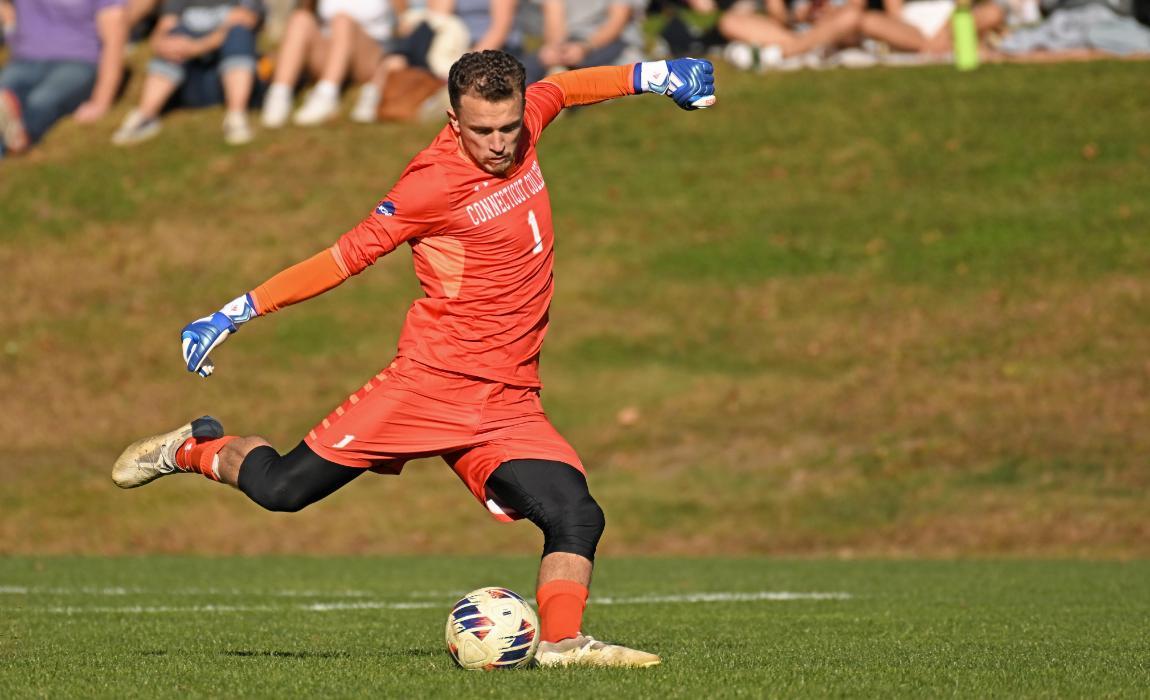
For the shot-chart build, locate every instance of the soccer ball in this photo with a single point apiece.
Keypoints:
(492, 628)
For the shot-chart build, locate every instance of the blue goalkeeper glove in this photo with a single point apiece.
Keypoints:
(203, 335)
(690, 82)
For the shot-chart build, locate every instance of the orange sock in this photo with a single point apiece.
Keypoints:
(200, 455)
(561, 605)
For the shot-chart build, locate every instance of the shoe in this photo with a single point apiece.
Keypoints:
(366, 104)
(853, 58)
(149, 459)
(317, 109)
(586, 651)
(136, 128)
(12, 131)
(237, 132)
(277, 106)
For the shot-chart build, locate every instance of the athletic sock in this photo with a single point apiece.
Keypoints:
(202, 455)
(561, 605)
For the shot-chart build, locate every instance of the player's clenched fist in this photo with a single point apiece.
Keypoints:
(203, 335)
(690, 82)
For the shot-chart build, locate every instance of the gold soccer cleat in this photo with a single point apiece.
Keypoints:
(153, 457)
(585, 651)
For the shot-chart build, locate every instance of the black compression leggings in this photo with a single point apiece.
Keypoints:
(553, 495)
(291, 482)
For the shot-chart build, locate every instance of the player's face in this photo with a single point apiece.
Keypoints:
(489, 131)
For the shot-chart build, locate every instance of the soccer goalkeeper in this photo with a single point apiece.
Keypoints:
(464, 385)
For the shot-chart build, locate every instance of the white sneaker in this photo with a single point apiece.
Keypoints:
(136, 129)
(237, 131)
(366, 104)
(317, 109)
(740, 55)
(277, 106)
(149, 459)
(586, 651)
(853, 58)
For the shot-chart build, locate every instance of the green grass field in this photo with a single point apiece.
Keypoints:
(885, 312)
(296, 627)
(850, 315)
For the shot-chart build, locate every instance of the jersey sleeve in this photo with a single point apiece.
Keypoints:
(544, 102)
(415, 207)
(547, 98)
(590, 85)
(412, 209)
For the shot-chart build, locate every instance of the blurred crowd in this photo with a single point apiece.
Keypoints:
(275, 63)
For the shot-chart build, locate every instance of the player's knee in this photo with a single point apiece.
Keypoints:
(574, 526)
(263, 480)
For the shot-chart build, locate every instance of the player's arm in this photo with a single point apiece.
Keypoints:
(690, 82)
(297, 283)
(375, 236)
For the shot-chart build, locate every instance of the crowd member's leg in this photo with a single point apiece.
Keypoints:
(17, 79)
(893, 31)
(323, 102)
(64, 88)
(237, 72)
(161, 82)
(300, 33)
(367, 56)
(746, 26)
(831, 29)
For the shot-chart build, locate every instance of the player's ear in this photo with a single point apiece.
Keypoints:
(453, 120)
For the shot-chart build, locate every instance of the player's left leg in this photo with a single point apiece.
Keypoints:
(554, 496)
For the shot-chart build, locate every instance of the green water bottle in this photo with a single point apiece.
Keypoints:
(965, 37)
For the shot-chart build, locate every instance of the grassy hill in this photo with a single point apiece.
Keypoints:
(885, 312)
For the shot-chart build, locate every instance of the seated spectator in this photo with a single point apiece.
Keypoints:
(923, 26)
(788, 34)
(1078, 30)
(66, 57)
(141, 18)
(433, 39)
(340, 38)
(204, 53)
(577, 34)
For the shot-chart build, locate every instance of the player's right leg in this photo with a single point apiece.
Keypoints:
(155, 456)
(285, 483)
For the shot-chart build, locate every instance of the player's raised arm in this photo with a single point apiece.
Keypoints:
(690, 82)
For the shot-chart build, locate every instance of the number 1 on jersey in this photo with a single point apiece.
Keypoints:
(535, 232)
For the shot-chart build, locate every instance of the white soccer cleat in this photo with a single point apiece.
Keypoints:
(586, 651)
(149, 459)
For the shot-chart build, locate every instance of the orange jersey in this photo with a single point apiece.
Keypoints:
(483, 249)
(483, 245)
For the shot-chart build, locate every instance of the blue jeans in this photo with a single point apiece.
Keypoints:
(47, 90)
(200, 78)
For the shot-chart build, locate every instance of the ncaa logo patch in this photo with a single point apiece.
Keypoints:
(385, 208)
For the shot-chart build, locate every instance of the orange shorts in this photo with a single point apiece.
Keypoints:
(411, 410)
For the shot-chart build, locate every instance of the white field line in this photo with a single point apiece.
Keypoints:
(688, 598)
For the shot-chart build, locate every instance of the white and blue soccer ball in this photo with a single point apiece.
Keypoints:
(492, 628)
